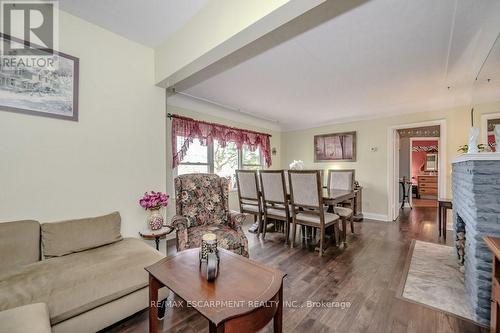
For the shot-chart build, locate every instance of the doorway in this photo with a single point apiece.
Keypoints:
(417, 159)
(424, 171)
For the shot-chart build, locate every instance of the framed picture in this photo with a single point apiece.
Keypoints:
(491, 132)
(43, 84)
(335, 147)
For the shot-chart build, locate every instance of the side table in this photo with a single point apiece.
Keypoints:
(156, 234)
(443, 205)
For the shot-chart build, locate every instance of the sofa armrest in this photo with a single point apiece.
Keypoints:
(236, 219)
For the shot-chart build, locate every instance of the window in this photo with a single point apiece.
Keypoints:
(214, 158)
(251, 160)
(196, 159)
(226, 161)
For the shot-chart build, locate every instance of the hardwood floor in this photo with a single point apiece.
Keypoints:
(366, 274)
(416, 203)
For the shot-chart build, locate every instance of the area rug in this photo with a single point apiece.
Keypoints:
(432, 278)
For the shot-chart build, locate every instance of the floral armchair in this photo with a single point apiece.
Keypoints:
(201, 207)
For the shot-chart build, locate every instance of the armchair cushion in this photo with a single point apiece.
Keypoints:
(227, 237)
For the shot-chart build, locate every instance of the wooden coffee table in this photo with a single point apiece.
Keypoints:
(245, 296)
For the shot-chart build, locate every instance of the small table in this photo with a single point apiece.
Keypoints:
(406, 192)
(244, 297)
(156, 234)
(444, 204)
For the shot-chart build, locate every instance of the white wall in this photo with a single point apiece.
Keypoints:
(53, 169)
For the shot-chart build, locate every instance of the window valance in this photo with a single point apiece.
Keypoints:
(206, 132)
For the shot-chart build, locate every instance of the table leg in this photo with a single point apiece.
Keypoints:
(444, 223)
(404, 195)
(351, 221)
(344, 231)
(409, 195)
(157, 242)
(440, 213)
(278, 316)
(154, 285)
(215, 329)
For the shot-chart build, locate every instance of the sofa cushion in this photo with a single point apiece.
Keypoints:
(78, 282)
(62, 238)
(19, 243)
(27, 318)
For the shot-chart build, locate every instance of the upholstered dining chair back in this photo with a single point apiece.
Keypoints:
(273, 185)
(341, 179)
(287, 182)
(305, 188)
(248, 186)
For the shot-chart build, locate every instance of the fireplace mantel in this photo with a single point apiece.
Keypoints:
(476, 157)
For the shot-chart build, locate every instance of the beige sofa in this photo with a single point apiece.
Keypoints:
(83, 270)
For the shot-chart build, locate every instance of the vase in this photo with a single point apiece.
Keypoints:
(155, 219)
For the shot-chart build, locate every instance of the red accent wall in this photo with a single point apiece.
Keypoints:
(418, 157)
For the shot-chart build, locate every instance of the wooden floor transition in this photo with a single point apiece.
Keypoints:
(366, 274)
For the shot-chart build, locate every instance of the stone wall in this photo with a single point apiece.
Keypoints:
(476, 199)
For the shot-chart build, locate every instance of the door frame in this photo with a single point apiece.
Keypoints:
(393, 175)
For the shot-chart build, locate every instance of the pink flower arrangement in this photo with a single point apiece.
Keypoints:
(154, 200)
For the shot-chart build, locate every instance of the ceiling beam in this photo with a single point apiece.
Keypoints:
(218, 30)
(310, 19)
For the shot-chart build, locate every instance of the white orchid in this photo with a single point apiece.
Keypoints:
(297, 165)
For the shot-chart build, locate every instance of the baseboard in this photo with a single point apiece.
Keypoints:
(376, 217)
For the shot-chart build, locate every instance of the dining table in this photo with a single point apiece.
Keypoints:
(331, 197)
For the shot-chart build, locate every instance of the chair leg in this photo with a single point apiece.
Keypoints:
(352, 223)
(258, 225)
(338, 237)
(321, 241)
(259, 221)
(294, 229)
(265, 227)
(303, 235)
(286, 226)
(344, 230)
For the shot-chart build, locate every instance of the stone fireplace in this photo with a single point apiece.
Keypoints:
(476, 209)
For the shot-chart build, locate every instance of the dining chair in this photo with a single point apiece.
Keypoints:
(343, 180)
(249, 195)
(306, 193)
(274, 199)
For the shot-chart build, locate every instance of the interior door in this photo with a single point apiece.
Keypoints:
(395, 181)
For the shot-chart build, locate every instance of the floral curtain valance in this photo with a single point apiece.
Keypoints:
(206, 132)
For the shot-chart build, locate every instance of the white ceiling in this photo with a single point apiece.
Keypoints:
(148, 22)
(383, 57)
